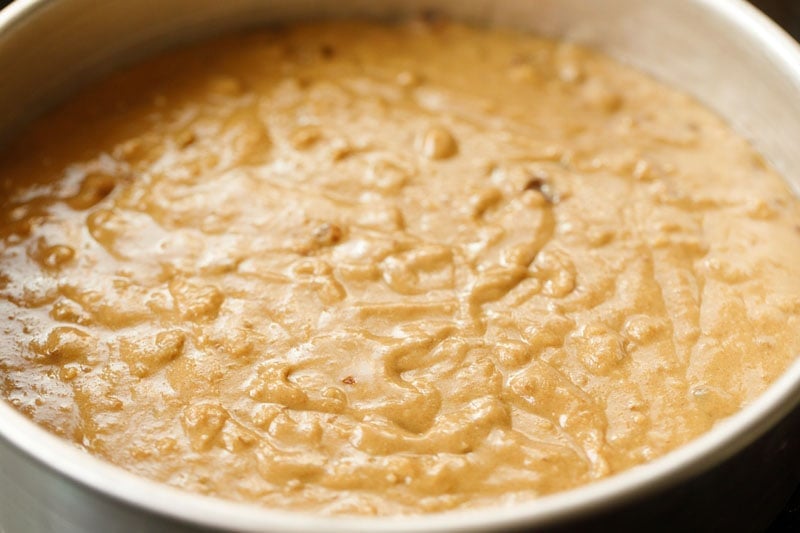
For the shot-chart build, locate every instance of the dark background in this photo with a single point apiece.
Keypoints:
(787, 14)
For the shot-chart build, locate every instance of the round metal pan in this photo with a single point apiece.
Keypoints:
(722, 51)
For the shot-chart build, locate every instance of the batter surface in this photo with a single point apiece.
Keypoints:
(360, 269)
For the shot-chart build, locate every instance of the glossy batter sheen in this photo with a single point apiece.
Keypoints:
(352, 268)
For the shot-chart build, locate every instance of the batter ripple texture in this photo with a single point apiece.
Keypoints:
(351, 268)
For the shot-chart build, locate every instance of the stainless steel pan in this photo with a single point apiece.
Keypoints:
(723, 51)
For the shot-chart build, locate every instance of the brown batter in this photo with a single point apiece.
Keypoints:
(351, 268)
